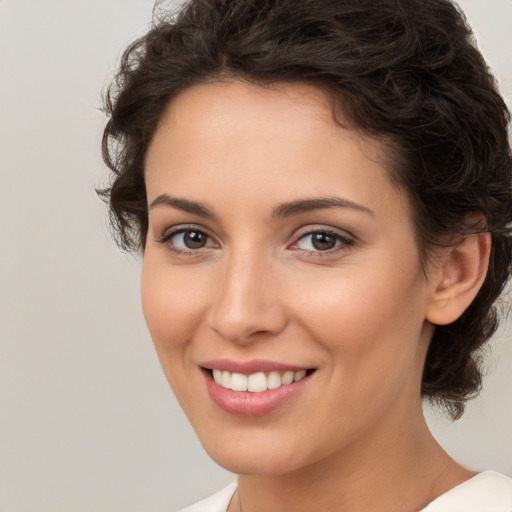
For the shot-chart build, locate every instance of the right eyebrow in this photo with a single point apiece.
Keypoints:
(310, 204)
(182, 204)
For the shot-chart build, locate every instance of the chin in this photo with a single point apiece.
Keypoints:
(255, 465)
(260, 457)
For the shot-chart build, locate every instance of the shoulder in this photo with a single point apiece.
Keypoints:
(218, 502)
(486, 492)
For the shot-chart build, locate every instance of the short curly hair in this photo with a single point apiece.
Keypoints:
(408, 73)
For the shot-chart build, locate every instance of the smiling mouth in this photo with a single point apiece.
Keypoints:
(254, 388)
(257, 382)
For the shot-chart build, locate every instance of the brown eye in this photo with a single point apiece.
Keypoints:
(323, 241)
(194, 239)
(319, 241)
(187, 239)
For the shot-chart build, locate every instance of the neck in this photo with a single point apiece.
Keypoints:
(399, 467)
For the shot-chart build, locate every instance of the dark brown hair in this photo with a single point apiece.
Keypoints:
(407, 72)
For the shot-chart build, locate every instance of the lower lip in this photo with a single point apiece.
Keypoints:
(248, 404)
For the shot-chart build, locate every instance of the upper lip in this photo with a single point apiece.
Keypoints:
(251, 366)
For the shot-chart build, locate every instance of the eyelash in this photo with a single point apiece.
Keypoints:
(177, 250)
(345, 241)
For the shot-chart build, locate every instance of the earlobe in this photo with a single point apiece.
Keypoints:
(459, 278)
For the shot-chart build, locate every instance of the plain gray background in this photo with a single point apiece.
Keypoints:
(87, 422)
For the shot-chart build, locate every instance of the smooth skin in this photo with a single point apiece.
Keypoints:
(229, 272)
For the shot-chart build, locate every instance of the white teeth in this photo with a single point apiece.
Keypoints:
(299, 375)
(274, 380)
(256, 382)
(226, 380)
(238, 382)
(287, 378)
(217, 375)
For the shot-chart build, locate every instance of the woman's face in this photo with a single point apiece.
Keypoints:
(277, 244)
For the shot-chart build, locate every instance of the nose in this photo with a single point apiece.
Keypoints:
(247, 304)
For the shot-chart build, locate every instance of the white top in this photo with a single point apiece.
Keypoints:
(486, 492)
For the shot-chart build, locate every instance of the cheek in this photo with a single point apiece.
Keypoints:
(173, 306)
(370, 333)
(172, 303)
(369, 320)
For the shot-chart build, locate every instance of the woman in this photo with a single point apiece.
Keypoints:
(322, 192)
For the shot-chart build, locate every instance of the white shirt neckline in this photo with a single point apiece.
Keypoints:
(488, 491)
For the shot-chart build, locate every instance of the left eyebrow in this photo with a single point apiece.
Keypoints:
(306, 205)
(182, 204)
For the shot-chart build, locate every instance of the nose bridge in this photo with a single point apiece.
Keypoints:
(246, 302)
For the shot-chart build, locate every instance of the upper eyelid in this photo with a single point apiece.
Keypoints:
(169, 233)
(180, 228)
(344, 240)
(308, 230)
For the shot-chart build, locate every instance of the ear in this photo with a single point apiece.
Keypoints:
(458, 279)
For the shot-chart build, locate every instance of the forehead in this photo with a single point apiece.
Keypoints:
(212, 110)
(230, 91)
(279, 139)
